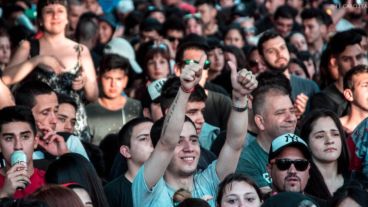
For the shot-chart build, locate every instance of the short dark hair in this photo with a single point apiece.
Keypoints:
(191, 41)
(26, 93)
(266, 92)
(267, 35)
(17, 114)
(285, 11)
(173, 23)
(356, 70)
(113, 61)
(197, 202)
(65, 99)
(235, 177)
(125, 133)
(87, 27)
(341, 40)
(150, 24)
(274, 78)
(208, 2)
(171, 88)
(318, 14)
(156, 129)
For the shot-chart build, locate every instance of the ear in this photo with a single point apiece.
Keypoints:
(348, 94)
(332, 62)
(146, 113)
(36, 140)
(214, 12)
(124, 150)
(177, 70)
(258, 120)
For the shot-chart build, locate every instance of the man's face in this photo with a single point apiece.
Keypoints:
(140, 143)
(75, 11)
(113, 83)
(208, 13)
(217, 58)
(194, 111)
(186, 154)
(17, 136)
(174, 36)
(66, 118)
(313, 30)
(276, 54)
(272, 5)
(147, 36)
(191, 54)
(353, 55)
(45, 110)
(278, 116)
(360, 91)
(289, 180)
(284, 26)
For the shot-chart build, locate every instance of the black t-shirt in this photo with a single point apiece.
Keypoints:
(119, 192)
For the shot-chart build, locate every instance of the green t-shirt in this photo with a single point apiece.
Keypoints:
(253, 161)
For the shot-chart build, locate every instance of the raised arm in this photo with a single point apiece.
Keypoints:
(156, 165)
(243, 83)
(6, 97)
(90, 86)
(20, 66)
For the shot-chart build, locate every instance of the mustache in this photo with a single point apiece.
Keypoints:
(293, 176)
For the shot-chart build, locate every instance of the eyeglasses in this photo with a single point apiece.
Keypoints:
(172, 39)
(206, 65)
(285, 164)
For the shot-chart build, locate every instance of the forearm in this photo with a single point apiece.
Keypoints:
(16, 73)
(91, 90)
(6, 97)
(237, 125)
(174, 120)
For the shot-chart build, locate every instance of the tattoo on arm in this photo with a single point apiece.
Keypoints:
(169, 115)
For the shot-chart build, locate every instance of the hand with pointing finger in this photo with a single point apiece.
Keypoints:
(191, 73)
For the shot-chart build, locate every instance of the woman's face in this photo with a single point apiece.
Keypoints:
(157, 67)
(233, 37)
(105, 31)
(217, 58)
(54, 18)
(193, 27)
(240, 194)
(325, 140)
(299, 41)
(295, 69)
(4, 50)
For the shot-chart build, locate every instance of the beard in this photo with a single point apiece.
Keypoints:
(280, 69)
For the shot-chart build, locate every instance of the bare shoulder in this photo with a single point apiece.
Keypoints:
(24, 44)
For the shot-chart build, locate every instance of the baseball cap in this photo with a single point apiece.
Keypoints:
(290, 199)
(122, 47)
(287, 140)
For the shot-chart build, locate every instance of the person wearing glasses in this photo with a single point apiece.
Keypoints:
(324, 133)
(288, 164)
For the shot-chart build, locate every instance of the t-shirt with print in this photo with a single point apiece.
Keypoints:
(161, 195)
(253, 161)
(37, 180)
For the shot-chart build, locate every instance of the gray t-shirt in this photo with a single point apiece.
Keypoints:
(102, 122)
(253, 161)
(161, 195)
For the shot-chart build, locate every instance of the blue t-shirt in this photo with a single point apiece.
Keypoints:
(205, 183)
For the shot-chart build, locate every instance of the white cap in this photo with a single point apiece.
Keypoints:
(122, 47)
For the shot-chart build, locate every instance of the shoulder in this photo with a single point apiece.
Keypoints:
(117, 183)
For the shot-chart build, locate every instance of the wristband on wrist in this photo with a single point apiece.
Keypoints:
(185, 90)
(240, 109)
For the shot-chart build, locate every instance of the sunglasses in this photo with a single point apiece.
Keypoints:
(172, 39)
(284, 164)
(206, 66)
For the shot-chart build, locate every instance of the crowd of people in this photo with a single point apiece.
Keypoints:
(183, 103)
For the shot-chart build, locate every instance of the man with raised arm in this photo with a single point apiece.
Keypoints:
(173, 163)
